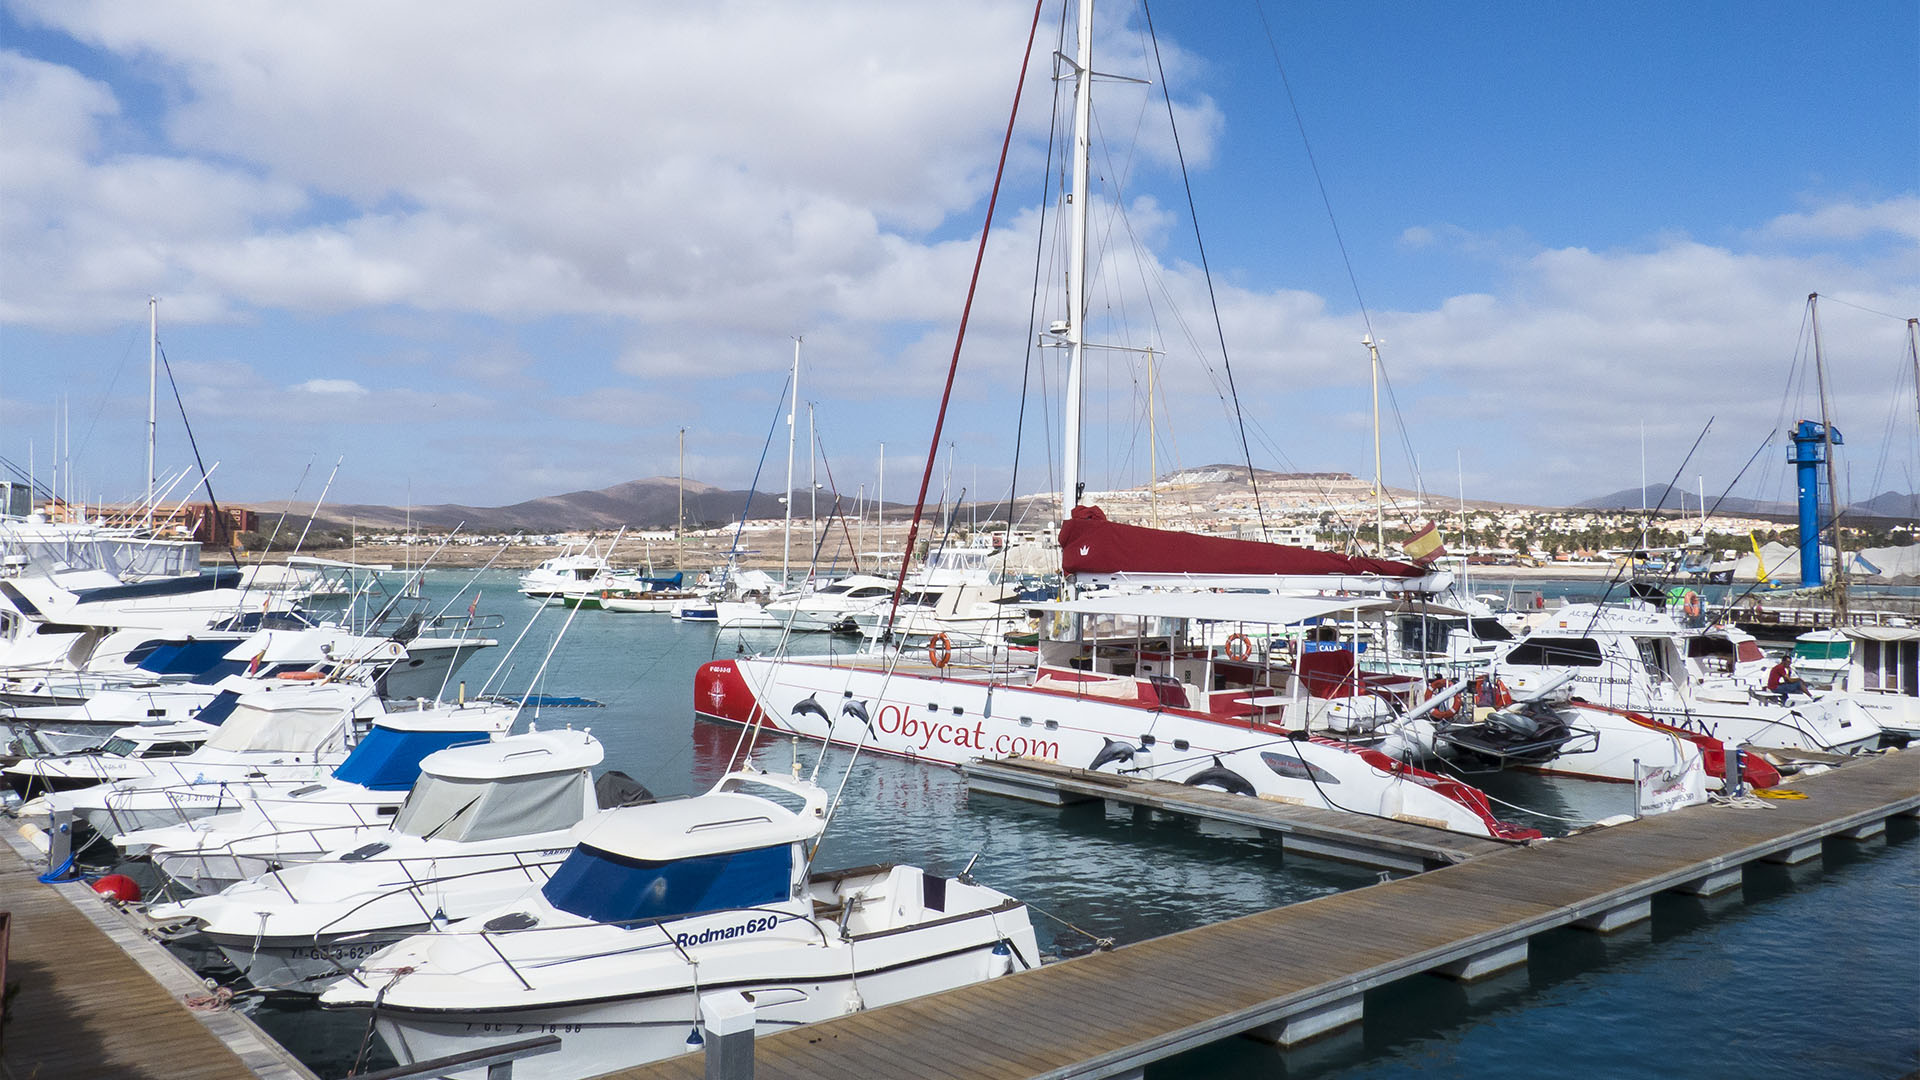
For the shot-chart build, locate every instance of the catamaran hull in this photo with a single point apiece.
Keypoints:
(952, 721)
(602, 1036)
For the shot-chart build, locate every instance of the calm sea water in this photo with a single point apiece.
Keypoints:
(1813, 974)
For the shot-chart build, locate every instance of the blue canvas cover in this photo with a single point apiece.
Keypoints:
(609, 888)
(389, 760)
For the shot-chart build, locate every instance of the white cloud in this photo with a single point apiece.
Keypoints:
(330, 386)
(1897, 217)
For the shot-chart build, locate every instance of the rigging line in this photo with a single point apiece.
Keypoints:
(195, 445)
(733, 554)
(1193, 213)
(87, 435)
(1646, 520)
(1858, 307)
(1313, 164)
(960, 336)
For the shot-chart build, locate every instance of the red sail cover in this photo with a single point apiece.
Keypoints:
(1090, 544)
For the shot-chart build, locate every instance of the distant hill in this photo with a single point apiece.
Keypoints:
(1890, 504)
(640, 504)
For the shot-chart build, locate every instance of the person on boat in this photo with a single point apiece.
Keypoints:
(1781, 680)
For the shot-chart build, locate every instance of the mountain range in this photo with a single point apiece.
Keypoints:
(653, 502)
(1888, 504)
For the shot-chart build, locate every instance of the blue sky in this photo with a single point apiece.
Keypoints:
(485, 253)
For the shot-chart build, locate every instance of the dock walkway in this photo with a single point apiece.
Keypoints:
(96, 999)
(1378, 842)
(1297, 971)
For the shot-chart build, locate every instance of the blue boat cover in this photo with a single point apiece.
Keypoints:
(181, 657)
(215, 712)
(609, 888)
(389, 760)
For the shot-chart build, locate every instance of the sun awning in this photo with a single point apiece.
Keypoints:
(1218, 607)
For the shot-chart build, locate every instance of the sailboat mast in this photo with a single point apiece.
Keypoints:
(1077, 259)
(1913, 356)
(793, 407)
(153, 376)
(1833, 491)
(680, 520)
(1379, 488)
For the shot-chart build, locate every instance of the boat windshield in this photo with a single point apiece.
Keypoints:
(1556, 652)
(599, 885)
(447, 809)
(295, 731)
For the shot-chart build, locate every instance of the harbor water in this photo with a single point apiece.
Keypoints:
(1813, 973)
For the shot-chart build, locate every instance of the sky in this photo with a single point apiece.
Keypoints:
(481, 252)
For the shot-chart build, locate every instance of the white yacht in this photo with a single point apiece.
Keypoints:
(661, 902)
(482, 825)
(1634, 657)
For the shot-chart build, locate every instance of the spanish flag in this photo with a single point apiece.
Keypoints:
(1425, 545)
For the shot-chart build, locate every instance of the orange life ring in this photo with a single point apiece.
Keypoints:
(302, 676)
(1691, 604)
(1239, 646)
(940, 650)
(1446, 710)
(604, 594)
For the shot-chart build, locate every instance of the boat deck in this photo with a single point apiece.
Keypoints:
(1383, 843)
(1291, 973)
(96, 999)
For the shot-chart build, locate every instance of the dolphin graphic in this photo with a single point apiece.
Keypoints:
(858, 711)
(807, 706)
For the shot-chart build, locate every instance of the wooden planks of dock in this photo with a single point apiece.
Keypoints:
(1307, 830)
(1292, 971)
(96, 999)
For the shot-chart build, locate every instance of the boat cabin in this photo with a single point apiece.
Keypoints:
(724, 850)
(538, 782)
(1229, 655)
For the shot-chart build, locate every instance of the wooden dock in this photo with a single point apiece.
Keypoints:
(1381, 843)
(96, 999)
(1292, 973)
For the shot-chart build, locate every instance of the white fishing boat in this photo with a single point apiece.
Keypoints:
(662, 902)
(832, 607)
(274, 823)
(482, 825)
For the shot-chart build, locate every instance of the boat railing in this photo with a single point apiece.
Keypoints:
(525, 862)
(487, 936)
(496, 1060)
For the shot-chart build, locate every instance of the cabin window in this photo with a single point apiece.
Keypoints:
(959, 711)
(1490, 630)
(1555, 652)
(600, 885)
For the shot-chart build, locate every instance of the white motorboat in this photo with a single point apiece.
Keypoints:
(1633, 657)
(483, 824)
(662, 902)
(274, 823)
(831, 607)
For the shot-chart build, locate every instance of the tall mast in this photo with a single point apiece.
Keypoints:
(1153, 453)
(880, 507)
(1379, 487)
(1833, 491)
(793, 407)
(153, 372)
(680, 519)
(813, 485)
(1913, 355)
(1077, 258)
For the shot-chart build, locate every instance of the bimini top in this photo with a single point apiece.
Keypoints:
(1219, 607)
(535, 753)
(724, 819)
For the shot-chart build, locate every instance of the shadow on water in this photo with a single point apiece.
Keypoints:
(1803, 971)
